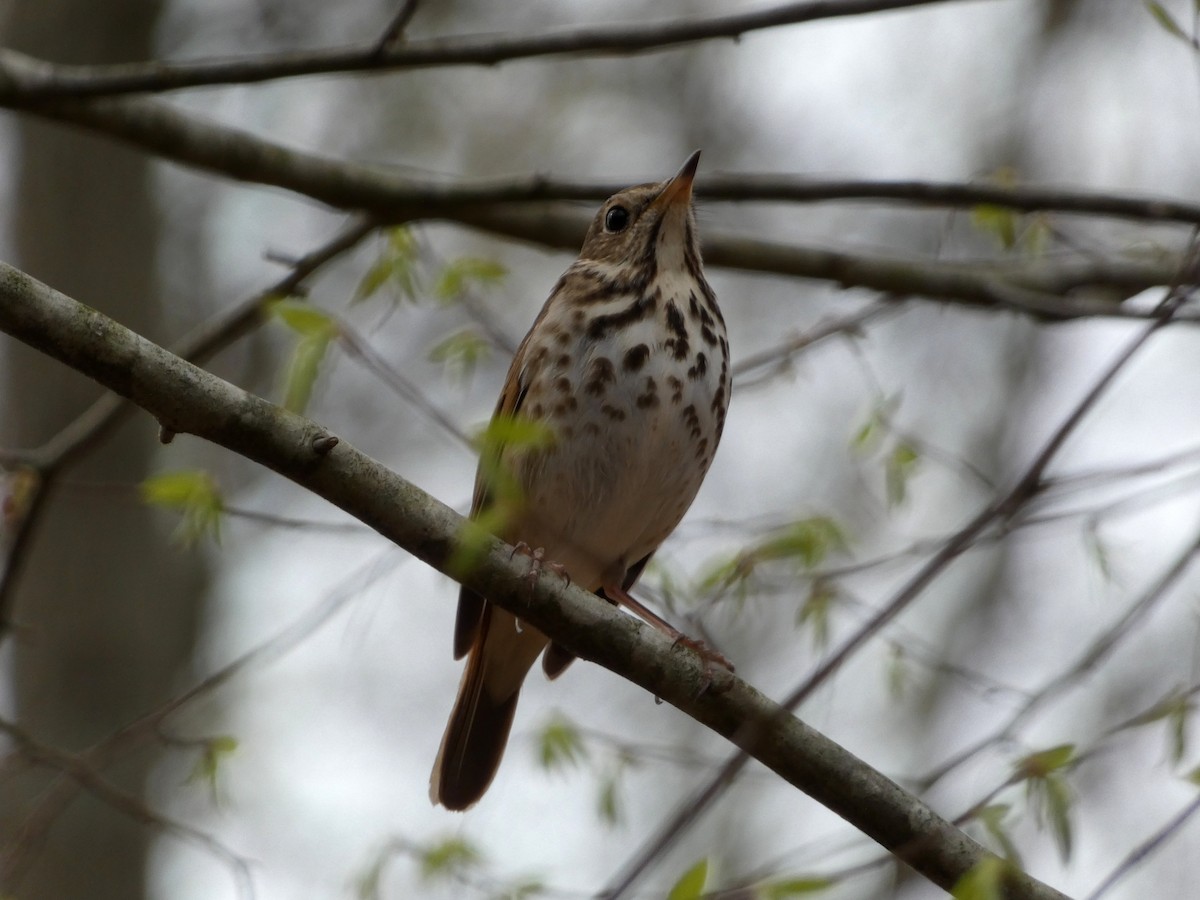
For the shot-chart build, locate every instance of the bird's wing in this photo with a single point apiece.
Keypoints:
(470, 619)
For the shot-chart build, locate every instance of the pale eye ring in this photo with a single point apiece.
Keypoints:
(616, 219)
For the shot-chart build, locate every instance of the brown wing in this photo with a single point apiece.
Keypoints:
(470, 618)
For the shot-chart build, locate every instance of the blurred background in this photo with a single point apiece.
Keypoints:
(306, 770)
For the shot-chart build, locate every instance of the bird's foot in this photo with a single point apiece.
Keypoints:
(537, 562)
(708, 656)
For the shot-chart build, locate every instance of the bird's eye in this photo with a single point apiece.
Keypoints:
(616, 219)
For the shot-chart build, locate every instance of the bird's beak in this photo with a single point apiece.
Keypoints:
(678, 191)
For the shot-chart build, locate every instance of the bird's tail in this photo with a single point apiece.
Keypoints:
(482, 718)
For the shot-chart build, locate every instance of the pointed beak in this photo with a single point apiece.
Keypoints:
(678, 191)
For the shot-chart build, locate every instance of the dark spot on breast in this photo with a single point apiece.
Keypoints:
(675, 321)
(562, 384)
(635, 357)
(677, 347)
(702, 449)
(600, 374)
(700, 368)
(563, 361)
(718, 408)
(537, 411)
(692, 420)
(613, 412)
(601, 326)
(676, 387)
(649, 397)
(563, 338)
(708, 335)
(591, 429)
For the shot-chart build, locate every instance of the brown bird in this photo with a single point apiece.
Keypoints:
(627, 368)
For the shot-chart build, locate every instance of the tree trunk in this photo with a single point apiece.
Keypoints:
(106, 612)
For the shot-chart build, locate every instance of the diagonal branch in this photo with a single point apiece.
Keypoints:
(188, 400)
(997, 513)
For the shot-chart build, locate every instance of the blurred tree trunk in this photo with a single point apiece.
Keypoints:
(107, 612)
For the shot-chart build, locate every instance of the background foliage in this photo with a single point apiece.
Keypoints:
(1041, 686)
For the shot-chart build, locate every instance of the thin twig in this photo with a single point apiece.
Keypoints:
(1143, 850)
(147, 727)
(97, 422)
(20, 854)
(395, 30)
(1027, 486)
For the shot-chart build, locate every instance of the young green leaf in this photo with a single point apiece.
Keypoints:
(1058, 811)
(898, 471)
(450, 858)
(1044, 762)
(690, 885)
(1048, 793)
(993, 819)
(610, 803)
(396, 267)
(998, 221)
(1166, 20)
(526, 887)
(464, 273)
(809, 540)
(474, 538)
(192, 493)
(302, 372)
(794, 887)
(212, 754)
(814, 612)
(302, 317)
(560, 744)
(513, 432)
(460, 353)
(983, 881)
(316, 330)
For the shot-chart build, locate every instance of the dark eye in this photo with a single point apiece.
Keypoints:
(616, 219)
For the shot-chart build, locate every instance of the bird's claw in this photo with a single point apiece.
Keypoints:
(708, 656)
(537, 562)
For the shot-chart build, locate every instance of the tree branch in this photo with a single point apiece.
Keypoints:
(1047, 288)
(189, 400)
(96, 422)
(482, 50)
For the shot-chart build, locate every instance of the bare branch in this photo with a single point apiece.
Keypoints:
(1149, 846)
(484, 50)
(1004, 507)
(189, 400)
(95, 423)
(18, 854)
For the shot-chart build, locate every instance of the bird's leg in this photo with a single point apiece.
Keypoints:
(538, 561)
(622, 597)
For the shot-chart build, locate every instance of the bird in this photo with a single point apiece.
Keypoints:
(626, 368)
